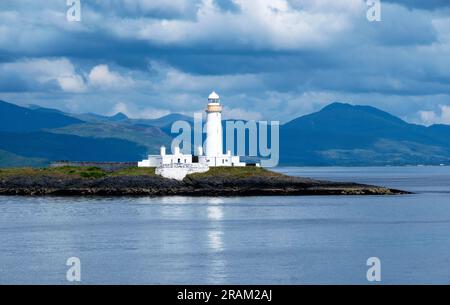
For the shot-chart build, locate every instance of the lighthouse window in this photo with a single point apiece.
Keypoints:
(179, 160)
(223, 161)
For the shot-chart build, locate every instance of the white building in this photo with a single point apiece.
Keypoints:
(178, 164)
(164, 159)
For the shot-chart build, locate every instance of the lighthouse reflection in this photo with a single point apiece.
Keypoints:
(215, 241)
(215, 216)
(215, 211)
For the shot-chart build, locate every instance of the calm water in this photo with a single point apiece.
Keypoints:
(269, 240)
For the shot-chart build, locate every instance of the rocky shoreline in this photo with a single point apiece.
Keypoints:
(50, 184)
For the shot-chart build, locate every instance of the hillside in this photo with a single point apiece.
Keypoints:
(339, 134)
(148, 136)
(342, 134)
(35, 136)
(19, 119)
(8, 159)
(52, 147)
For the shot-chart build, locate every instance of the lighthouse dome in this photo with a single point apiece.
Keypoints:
(213, 97)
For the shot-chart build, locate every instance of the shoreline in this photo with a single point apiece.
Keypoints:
(218, 182)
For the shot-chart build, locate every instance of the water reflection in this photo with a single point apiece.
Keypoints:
(215, 242)
(215, 213)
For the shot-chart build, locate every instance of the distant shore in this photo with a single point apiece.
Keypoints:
(133, 181)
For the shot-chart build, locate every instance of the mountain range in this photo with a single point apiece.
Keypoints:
(339, 134)
(343, 134)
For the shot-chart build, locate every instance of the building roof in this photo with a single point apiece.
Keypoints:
(213, 96)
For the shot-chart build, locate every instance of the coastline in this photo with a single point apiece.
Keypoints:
(223, 182)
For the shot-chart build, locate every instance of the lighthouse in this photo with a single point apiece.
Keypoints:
(214, 141)
(177, 165)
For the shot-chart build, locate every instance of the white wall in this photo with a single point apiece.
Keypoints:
(175, 159)
(214, 143)
(152, 161)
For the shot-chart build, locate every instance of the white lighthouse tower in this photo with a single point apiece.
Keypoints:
(214, 141)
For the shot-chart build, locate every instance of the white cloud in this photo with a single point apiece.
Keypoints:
(137, 113)
(39, 73)
(101, 77)
(72, 83)
(263, 24)
(172, 80)
(352, 63)
(440, 117)
(442, 26)
(241, 114)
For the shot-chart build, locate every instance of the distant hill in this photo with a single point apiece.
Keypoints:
(118, 117)
(342, 134)
(35, 136)
(441, 133)
(53, 147)
(165, 120)
(20, 119)
(338, 135)
(148, 136)
(95, 118)
(8, 159)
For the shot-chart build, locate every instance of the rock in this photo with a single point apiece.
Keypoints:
(144, 185)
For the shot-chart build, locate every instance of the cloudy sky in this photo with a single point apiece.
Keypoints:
(268, 59)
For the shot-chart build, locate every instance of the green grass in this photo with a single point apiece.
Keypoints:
(71, 171)
(75, 171)
(135, 171)
(90, 172)
(236, 172)
(23, 171)
(95, 172)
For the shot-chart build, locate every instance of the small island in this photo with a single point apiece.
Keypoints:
(134, 181)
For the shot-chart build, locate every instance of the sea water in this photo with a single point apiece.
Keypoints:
(254, 240)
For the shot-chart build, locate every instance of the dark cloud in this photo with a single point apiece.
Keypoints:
(176, 9)
(303, 54)
(227, 5)
(421, 4)
(13, 83)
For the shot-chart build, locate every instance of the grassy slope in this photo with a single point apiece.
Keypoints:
(95, 172)
(8, 159)
(236, 172)
(75, 172)
(150, 137)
